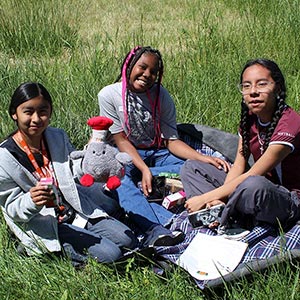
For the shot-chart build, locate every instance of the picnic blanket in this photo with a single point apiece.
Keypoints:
(210, 141)
(266, 244)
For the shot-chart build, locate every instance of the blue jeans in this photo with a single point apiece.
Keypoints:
(143, 213)
(107, 200)
(102, 239)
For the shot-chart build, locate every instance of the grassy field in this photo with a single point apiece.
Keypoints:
(76, 47)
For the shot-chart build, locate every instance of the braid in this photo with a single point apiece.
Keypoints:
(128, 63)
(245, 130)
(125, 80)
(276, 116)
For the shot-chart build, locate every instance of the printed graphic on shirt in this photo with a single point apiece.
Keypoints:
(140, 122)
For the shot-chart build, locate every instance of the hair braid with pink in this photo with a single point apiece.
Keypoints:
(130, 60)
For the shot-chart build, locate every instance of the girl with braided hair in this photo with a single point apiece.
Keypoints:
(269, 191)
(145, 127)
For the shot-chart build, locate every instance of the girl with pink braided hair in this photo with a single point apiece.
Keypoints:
(144, 126)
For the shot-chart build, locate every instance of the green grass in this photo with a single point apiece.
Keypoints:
(76, 47)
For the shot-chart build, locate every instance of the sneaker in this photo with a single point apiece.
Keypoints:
(161, 236)
(140, 255)
(171, 239)
(235, 233)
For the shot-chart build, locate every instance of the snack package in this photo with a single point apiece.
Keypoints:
(173, 199)
(48, 181)
(173, 185)
(169, 175)
(206, 216)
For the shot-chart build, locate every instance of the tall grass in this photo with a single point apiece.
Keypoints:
(76, 47)
(35, 27)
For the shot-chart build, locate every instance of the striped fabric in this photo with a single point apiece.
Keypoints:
(264, 242)
(201, 147)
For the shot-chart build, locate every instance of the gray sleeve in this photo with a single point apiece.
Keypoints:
(16, 203)
(110, 104)
(168, 116)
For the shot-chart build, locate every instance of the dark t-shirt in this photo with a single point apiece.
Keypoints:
(21, 156)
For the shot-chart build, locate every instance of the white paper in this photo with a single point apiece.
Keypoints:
(210, 257)
(80, 220)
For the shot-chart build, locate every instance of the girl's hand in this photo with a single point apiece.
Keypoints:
(199, 202)
(41, 194)
(147, 182)
(195, 203)
(214, 203)
(217, 162)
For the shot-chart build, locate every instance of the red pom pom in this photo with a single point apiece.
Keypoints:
(113, 182)
(100, 123)
(87, 180)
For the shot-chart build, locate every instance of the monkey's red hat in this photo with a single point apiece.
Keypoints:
(100, 126)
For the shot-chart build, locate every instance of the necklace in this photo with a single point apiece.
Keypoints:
(261, 136)
(261, 141)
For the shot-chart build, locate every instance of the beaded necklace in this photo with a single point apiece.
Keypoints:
(261, 135)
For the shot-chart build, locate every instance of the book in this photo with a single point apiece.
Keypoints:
(209, 257)
(173, 199)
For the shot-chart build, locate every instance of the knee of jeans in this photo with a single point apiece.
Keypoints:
(105, 254)
(186, 168)
(129, 240)
(253, 183)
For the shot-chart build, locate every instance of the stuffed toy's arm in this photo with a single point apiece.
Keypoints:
(76, 164)
(77, 154)
(123, 158)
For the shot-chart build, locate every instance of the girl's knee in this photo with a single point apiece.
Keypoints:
(253, 183)
(186, 167)
(105, 252)
(128, 240)
(190, 167)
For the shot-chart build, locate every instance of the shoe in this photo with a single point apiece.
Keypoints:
(235, 233)
(140, 255)
(158, 235)
(171, 239)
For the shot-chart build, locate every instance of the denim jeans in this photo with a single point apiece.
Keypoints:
(143, 213)
(102, 239)
(106, 200)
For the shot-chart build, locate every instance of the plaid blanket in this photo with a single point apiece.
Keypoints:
(264, 242)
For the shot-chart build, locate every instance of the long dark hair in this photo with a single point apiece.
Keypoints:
(128, 63)
(278, 78)
(27, 91)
